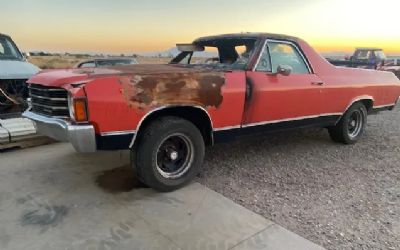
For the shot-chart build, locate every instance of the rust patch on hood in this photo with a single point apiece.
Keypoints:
(196, 88)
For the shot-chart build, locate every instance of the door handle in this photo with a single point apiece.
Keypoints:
(318, 83)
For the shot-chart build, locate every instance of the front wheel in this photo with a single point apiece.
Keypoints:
(169, 153)
(351, 126)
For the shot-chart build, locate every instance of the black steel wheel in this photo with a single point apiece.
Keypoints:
(174, 156)
(169, 153)
(355, 123)
(351, 126)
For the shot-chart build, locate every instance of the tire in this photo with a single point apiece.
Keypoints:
(168, 154)
(351, 126)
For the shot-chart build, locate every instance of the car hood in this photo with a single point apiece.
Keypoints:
(144, 86)
(59, 78)
(17, 69)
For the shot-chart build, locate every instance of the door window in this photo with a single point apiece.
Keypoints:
(287, 54)
(281, 53)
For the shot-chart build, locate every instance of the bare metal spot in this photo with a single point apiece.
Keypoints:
(119, 180)
(137, 79)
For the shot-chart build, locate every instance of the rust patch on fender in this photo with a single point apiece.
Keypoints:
(197, 88)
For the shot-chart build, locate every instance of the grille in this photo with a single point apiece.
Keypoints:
(49, 101)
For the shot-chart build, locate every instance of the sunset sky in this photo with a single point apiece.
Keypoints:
(127, 26)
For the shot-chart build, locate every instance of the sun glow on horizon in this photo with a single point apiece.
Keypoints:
(128, 26)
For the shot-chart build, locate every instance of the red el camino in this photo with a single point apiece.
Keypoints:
(217, 89)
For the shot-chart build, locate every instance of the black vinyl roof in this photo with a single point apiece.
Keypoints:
(249, 35)
(4, 35)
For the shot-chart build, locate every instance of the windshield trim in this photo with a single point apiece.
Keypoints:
(216, 43)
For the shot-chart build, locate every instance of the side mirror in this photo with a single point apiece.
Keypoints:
(284, 70)
(26, 55)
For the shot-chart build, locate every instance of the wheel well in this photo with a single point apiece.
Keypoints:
(197, 116)
(368, 103)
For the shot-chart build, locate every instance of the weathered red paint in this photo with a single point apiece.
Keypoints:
(120, 97)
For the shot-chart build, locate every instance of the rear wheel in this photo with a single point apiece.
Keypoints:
(169, 153)
(351, 126)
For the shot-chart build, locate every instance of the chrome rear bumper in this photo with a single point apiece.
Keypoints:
(82, 137)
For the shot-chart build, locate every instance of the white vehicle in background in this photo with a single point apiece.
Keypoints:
(392, 65)
(14, 72)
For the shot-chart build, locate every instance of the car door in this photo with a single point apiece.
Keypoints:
(274, 98)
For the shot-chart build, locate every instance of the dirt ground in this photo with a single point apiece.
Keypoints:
(341, 197)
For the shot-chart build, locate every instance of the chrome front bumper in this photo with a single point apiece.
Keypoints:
(82, 137)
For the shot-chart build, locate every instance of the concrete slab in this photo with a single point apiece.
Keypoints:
(54, 198)
(276, 238)
(198, 218)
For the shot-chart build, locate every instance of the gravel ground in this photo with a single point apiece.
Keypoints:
(341, 197)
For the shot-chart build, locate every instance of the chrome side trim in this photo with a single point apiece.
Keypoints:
(357, 99)
(226, 128)
(259, 57)
(112, 133)
(166, 107)
(290, 119)
(70, 107)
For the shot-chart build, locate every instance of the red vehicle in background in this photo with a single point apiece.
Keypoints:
(166, 114)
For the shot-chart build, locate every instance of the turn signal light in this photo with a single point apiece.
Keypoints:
(80, 110)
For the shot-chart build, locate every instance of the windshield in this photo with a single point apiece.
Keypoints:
(222, 53)
(8, 51)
